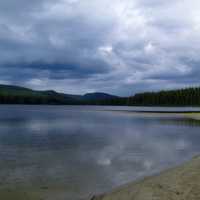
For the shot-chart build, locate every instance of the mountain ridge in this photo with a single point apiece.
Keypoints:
(10, 94)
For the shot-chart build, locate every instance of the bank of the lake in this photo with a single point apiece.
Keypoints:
(180, 183)
(195, 116)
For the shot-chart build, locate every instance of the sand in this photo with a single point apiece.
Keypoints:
(180, 183)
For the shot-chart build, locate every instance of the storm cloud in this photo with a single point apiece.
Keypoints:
(120, 47)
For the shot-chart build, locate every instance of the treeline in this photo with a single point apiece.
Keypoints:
(20, 95)
(118, 101)
(35, 99)
(181, 97)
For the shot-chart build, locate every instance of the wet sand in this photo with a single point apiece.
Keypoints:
(180, 183)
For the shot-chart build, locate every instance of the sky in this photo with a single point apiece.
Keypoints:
(119, 46)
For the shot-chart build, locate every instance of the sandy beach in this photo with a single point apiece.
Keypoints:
(180, 183)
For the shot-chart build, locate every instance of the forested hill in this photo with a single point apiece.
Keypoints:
(20, 95)
(181, 97)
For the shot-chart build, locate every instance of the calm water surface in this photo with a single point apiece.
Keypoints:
(70, 153)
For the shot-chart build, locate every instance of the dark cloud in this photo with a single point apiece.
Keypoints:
(120, 47)
(60, 70)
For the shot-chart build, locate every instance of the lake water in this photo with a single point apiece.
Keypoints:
(73, 152)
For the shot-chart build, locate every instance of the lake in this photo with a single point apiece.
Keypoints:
(73, 152)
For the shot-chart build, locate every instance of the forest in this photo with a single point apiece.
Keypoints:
(180, 97)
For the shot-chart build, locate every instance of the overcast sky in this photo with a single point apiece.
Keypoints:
(118, 46)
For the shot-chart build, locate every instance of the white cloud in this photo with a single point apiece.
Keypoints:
(150, 48)
(137, 41)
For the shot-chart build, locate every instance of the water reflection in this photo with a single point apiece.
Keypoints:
(81, 152)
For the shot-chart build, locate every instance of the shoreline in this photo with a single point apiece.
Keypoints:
(179, 183)
(194, 115)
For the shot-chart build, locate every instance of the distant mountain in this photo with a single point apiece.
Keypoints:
(178, 97)
(19, 95)
(98, 96)
(14, 89)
